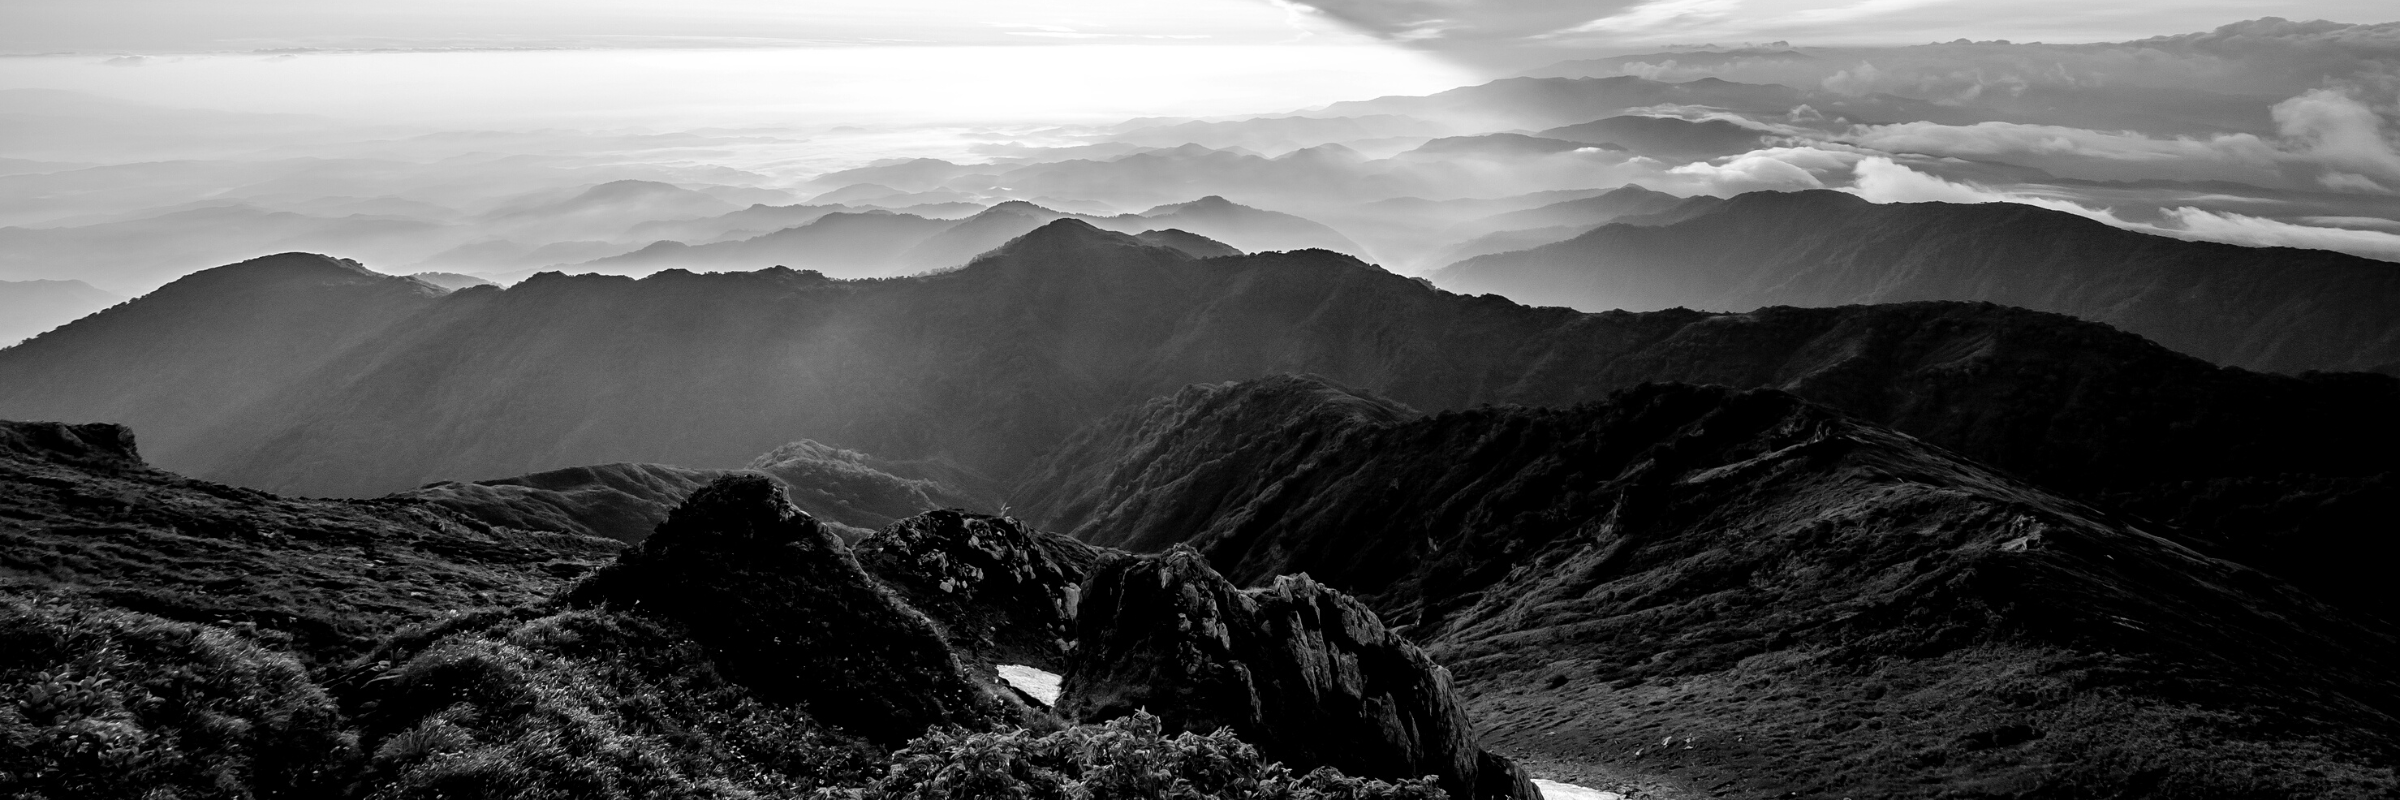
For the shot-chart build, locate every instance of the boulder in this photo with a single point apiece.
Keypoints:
(1307, 674)
(1000, 591)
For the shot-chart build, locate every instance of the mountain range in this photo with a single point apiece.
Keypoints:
(2276, 309)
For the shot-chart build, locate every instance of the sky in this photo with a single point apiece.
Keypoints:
(1464, 27)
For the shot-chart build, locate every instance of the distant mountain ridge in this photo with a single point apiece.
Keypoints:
(391, 384)
(27, 308)
(2276, 309)
(876, 243)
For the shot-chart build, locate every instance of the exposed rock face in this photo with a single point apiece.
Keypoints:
(786, 610)
(1000, 591)
(96, 444)
(1308, 675)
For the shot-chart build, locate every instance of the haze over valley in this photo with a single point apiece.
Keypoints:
(1294, 399)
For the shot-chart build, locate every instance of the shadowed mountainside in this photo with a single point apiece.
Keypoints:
(987, 367)
(2277, 309)
(1754, 595)
(82, 516)
(207, 345)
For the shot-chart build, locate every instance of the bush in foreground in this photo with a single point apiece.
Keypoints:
(105, 703)
(1124, 759)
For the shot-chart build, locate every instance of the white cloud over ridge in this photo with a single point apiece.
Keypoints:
(1883, 180)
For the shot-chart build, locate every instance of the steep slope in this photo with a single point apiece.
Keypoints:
(83, 518)
(217, 341)
(1751, 595)
(1307, 674)
(2262, 308)
(1192, 244)
(28, 308)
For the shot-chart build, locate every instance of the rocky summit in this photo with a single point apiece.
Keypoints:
(785, 609)
(1308, 674)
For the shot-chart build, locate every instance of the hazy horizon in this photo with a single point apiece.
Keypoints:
(471, 140)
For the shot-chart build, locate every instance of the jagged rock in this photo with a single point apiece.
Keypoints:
(96, 444)
(1000, 591)
(785, 609)
(1305, 673)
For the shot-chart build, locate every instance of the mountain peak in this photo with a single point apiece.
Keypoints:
(773, 595)
(1024, 207)
(1066, 234)
(1207, 205)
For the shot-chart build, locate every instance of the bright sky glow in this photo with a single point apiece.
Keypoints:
(780, 86)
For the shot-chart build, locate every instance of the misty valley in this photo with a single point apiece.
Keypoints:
(1524, 408)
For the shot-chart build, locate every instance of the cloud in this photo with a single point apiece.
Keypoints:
(1775, 168)
(2341, 132)
(2213, 226)
(1440, 21)
(1654, 16)
(1883, 180)
(2328, 139)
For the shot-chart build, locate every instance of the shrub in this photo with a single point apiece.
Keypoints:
(591, 706)
(1124, 759)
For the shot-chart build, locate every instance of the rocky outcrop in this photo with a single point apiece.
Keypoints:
(95, 444)
(1000, 591)
(1308, 675)
(784, 609)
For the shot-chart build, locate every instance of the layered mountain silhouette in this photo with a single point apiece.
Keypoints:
(878, 243)
(1742, 589)
(2277, 309)
(382, 384)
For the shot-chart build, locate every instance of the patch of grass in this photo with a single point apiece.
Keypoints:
(106, 703)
